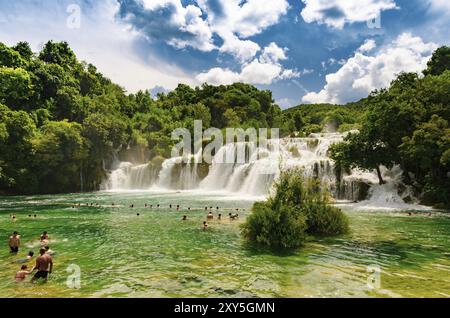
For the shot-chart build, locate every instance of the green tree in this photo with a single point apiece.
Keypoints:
(439, 62)
(17, 131)
(298, 208)
(60, 151)
(9, 57)
(24, 49)
(15, 87)
(58, 53)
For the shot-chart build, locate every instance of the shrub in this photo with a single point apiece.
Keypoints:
(284, 227)
(325, 220)
(298, 207)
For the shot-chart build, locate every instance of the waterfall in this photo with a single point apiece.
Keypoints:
(255, 175)
(130, 177)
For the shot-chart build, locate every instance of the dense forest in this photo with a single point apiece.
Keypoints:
(62, 121)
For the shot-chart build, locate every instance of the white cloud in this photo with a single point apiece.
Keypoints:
(368, 46)
(263, 70)
(243, 50)
(238, 20)
(336, 13)
(180, 26)
(219, 76)
(362, 73)
(194, 25)
(285, 103)
(441, 6)
(273, 53)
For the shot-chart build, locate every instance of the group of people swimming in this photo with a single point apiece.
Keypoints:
(210, 217)
(13, 217)
(43, 263)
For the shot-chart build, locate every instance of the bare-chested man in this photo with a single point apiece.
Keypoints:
(44, 266)
(14, 243)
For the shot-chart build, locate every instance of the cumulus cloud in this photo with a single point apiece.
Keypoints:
(368, 46)
(336, 13)
(195, 24)
(273, 53)
(363, 73)
(263, 70)
(169, 21)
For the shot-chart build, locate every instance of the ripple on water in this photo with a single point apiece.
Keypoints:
(157, 255)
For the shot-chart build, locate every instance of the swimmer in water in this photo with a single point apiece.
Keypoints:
(44, 266)
(14, 243)
(205, 226)
(22, 274)
(184, 218)
(170, 206)
(27, 259)
(49, 251)
(189, 209)
(178, 208)
(145, 205)
(138, 214)
(219, 217)
(210, 216)
(132, 206)
(35, 216)
(158, 206)
(44, 236)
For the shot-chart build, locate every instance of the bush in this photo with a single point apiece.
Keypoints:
(284, 227)
(325, 220)
(299, 207)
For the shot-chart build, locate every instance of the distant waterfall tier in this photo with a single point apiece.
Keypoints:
(250, 170)
(129, 177)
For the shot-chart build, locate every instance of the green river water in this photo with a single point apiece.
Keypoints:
(156, 254)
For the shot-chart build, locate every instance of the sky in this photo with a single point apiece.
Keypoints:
(304, 51)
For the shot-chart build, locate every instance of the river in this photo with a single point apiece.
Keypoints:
(387, 253)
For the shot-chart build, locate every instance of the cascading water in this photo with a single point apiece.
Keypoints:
(246, 169)
(130, 177)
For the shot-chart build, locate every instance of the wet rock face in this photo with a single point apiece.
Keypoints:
(353, 190)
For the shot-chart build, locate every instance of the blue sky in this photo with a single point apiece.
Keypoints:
(305, 51)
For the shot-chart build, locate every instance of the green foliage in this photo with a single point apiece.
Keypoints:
(299, 207)
(15, 87)
(52, 95)
(426, 155)
(440, 61)
(9, 57)
(282, 228)
(16, 132)
(60, 151)
(58, 53)
(315, 118)
(407, 125)
(23, 48)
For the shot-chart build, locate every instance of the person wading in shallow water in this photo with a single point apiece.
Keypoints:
(44, 266)
(14, 243)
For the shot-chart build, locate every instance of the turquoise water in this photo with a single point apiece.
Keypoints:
(156, 254)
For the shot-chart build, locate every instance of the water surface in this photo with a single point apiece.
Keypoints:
(156, 254)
